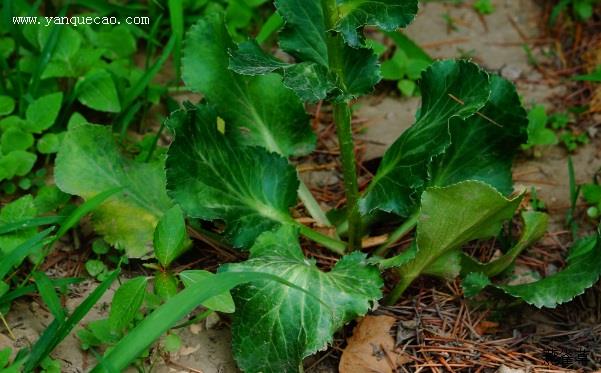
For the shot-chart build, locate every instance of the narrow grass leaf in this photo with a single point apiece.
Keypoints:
(30, 289)
(138, 88)
(158, 322)
(30, 223)
(59, 329)
(18, 254)
(48, 294)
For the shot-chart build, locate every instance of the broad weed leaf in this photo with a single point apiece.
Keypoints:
(247, 104)
(276, 326)
(89, 163)
(582, 271)
(450, 89)
(452, 216)
(170, 237)
(213, 177)
(126, 302)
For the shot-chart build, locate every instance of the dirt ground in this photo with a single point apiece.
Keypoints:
(495, 41)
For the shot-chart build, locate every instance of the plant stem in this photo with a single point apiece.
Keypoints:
(399, 289)
(401, 231)
(332, 244)
(408, 273)
(312, 205)
(201, 316)
(342, 119)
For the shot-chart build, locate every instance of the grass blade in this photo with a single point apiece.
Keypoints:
(30, 223)
(273, 24)
(164, 317)
(60, 328)
(30, 289)
(134, 92)
(49, 296)
(176, 15)
(408, 46)
(574, 192)
(18, 254)
(47, 52)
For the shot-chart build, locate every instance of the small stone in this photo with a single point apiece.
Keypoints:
(511, 72)
(212, 320)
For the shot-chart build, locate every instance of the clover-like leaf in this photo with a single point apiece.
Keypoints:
(90, 163)
(15, 139)
(16, 163)
(42, 113)
(276, 326)
(213, 177)
(7, 105)
(450, 89)
(97, 90)
(247, 104)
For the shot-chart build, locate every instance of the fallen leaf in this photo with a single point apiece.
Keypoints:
(371, 348)
(487, 327)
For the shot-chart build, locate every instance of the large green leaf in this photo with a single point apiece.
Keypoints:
(535, 226)
(452, 216)
(483, 146)
(450, 89)
(387, 15)
(212, 177)
(257, 110)
(318, 73)
(275, 326)
(583, 270)
(89, 163)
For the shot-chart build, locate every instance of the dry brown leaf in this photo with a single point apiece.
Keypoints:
(371, 348)
(487, 327)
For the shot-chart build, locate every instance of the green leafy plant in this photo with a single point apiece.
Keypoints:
(230, 166)
(540, 135)
(484, 7)
(406, 64)
(582, 10)
(133, 300)
(594, 76)
(592, 195)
